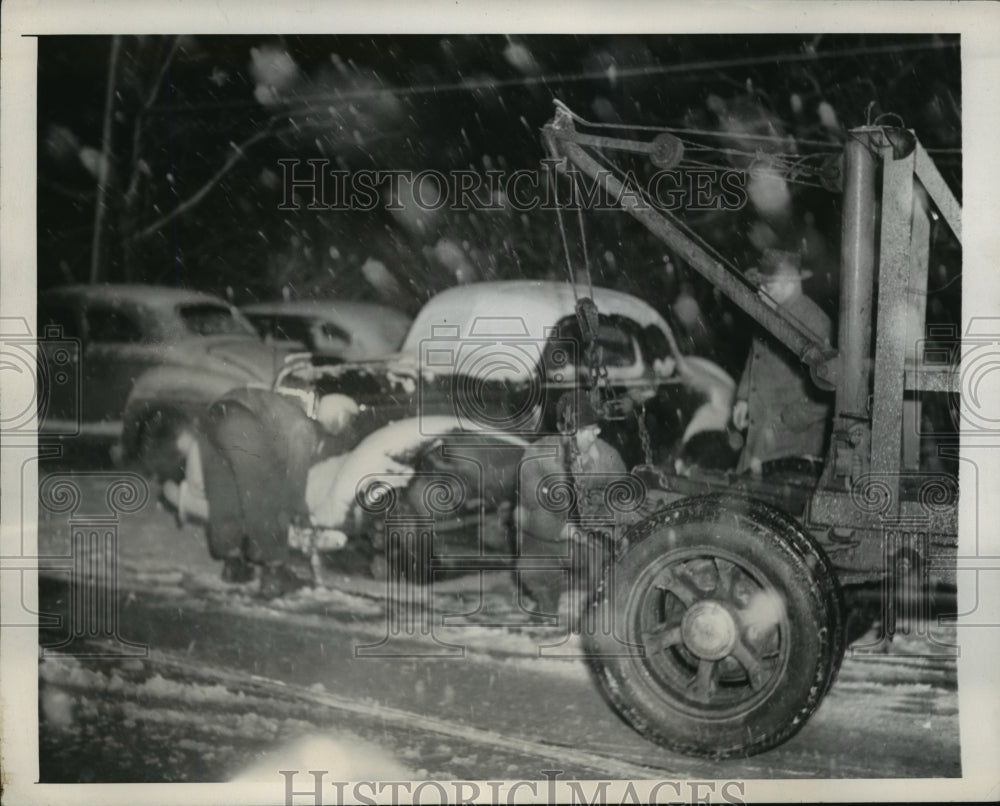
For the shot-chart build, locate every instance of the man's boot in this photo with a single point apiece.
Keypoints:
(237, 570)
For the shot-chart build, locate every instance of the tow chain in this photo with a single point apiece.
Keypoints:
(647, 449)
(587, 315)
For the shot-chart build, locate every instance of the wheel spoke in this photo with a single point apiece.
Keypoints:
(741, 587)
(681, 586)
(728, 574)
(751, 663)
(658, 639)
(701, 575)
(682, 590)
(717, 605)
(722, 586)
(702, 685)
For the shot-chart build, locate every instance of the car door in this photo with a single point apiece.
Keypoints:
(117, 350)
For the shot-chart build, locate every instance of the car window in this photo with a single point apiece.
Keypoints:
(333, 333)
(209, 319)
(618, 345)
(58, 316)
(327, 337)
(615, 335)
(111, 324)
(655, 343)
(297, 329)
(264, 325)
(291, 328)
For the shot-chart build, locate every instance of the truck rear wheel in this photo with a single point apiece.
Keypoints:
(733, 616)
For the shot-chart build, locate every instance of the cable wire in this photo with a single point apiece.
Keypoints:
(471, 85)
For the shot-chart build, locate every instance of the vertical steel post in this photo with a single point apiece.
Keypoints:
(915, 326)
(857, 258)
(892, 325)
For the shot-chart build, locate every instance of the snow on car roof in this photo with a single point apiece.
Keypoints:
(350, 314)
(342, 308)
(136, 293)
(516, 308)
(489, 329)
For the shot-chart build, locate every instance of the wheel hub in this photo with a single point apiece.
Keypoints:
(709, 630)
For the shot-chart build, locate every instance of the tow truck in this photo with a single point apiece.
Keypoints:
(720, 626)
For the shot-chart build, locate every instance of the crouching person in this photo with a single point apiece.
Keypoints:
(573, 468)
(254, 455)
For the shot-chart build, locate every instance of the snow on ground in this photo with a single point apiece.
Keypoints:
(250, 734)
(478, 612)
(170, 719)
(140, 720)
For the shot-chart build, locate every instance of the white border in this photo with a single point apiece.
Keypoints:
(979, 25)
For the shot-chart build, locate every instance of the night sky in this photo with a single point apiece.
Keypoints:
(446, 102)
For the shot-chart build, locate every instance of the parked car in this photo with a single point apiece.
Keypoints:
(344, 329)
(144, 359)
(476, 379)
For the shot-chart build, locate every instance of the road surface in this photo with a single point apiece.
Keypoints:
(223, 685)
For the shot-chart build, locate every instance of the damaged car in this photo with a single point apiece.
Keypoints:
(440, 427)
(498, 355)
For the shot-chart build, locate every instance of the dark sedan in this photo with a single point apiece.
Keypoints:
(142, 359)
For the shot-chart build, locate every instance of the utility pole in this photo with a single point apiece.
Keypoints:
(104, 166)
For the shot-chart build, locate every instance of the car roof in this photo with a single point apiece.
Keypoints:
(538, 304)
(156, 296)
(339, 309)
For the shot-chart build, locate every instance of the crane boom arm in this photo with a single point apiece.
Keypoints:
(564, 142)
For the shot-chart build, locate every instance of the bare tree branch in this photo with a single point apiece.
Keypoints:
(104, 165)
(237, 154)
(68, 192)
(140, 119)
(154, 89)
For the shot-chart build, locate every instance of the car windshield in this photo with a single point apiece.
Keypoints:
(208, 319)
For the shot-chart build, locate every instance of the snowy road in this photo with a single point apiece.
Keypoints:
(231, 681)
